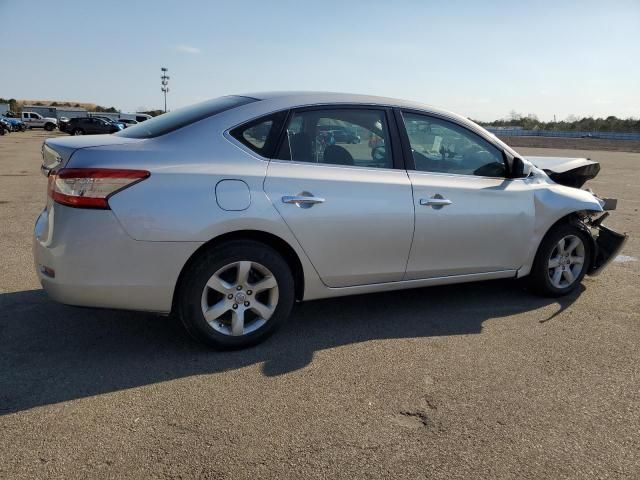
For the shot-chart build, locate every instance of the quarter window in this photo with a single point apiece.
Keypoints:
(260, 135)
(340, 136)
(444, 147)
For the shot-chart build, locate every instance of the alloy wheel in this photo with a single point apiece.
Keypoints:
(239, 298)
(566, 261)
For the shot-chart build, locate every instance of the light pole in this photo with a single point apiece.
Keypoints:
(165, 85)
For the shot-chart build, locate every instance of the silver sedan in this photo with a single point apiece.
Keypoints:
(227, 212)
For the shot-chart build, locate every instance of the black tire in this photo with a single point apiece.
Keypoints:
(189, 295)
(539, 278)
(49, 127)
(1, 131)
(77, 131)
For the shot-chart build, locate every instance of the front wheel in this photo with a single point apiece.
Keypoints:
(49, 127)
(563, 259)
(236, 295)
(78, 131)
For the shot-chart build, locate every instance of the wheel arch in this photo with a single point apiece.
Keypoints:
(572, 218)
(269, 239)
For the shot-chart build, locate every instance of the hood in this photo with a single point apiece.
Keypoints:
(572, 172)
(49, 119)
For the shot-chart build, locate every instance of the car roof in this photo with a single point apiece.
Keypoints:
(292, 99)
(304, 97)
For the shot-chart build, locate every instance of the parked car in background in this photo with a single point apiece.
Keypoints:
(16, 124)
(339, 134)
(90, 126)
(63, 122)
(115, 121)
(196, 212)
(35, 120)
(5, 126)
(127, 122)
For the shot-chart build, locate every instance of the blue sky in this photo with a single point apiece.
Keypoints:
(481, 59)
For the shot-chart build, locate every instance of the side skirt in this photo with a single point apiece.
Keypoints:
(327, 292)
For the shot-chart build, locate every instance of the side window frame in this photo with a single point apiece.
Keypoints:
(406, 143)
(394, 136)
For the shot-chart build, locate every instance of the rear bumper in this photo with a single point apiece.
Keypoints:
(85, 258)
(608, 244)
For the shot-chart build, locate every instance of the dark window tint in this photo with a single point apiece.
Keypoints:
(261, 135)
(341, 136)
(444, 147)
(182, 117)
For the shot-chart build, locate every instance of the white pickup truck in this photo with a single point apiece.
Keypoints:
(35, 120)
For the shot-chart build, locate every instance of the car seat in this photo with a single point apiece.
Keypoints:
(336, 155)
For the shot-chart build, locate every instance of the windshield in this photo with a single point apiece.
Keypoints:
(182, 117)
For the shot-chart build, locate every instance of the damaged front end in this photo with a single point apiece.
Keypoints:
(575, 172)
(607, 243)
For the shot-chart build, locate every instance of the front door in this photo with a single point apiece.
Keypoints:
(343, 197)
(470, 218)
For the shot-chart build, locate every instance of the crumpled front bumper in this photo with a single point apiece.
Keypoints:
(608, 244)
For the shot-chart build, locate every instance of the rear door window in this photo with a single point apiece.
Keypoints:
(338, 136)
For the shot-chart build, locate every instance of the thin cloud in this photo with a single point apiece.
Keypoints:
(187, 49)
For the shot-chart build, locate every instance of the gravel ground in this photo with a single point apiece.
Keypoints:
(468, 381)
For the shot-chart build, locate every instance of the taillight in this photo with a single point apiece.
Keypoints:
(91, 187)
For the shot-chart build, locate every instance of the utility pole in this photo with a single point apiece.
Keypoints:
(165, 85)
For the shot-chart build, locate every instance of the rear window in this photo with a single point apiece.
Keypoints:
(182, 117)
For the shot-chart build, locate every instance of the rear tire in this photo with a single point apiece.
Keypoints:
(563, 259)
(235, 295)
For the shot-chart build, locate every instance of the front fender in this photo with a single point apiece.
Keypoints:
(552, 203)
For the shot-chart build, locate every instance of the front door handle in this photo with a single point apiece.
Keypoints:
(303, 200)
(437, 201)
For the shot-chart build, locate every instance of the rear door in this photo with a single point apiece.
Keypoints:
(349, 205)
(470, 218)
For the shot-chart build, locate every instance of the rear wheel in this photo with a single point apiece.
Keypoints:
(236, 295)
(562, 261)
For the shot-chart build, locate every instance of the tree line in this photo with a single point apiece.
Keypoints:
(17, 105)
(571, 123)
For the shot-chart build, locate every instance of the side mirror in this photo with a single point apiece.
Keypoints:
(520, 168)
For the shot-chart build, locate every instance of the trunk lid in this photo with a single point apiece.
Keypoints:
(57, 151)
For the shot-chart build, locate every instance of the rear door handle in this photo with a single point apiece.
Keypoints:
(302, 201)
(437, 201)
